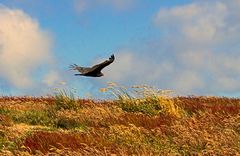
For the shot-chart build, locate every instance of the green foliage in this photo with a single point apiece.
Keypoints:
(64, 100)
(4, 111)
(144, 99)
(5, 117)
(142, 106)
(5, 143)
(33, 117)
(69, 123)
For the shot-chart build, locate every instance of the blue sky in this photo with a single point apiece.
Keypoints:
(188, 46)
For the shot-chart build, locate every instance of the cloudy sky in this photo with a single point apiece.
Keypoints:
(189, 46)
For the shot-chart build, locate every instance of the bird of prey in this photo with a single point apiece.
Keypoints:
(94, 71)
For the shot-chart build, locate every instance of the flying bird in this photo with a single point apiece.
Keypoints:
(94, 71)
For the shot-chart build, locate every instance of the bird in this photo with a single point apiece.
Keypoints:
(94, 71)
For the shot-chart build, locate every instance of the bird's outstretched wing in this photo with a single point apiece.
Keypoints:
(99, 67)
(82, 70)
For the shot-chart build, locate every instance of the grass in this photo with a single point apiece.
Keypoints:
(33, 117)
(144, 99)
(65, 100)
(140, 121)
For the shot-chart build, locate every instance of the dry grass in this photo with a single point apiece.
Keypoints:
(141, 121)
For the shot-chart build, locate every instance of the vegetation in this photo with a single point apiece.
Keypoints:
(141, 120)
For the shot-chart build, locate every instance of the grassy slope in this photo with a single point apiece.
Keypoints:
(153, 125)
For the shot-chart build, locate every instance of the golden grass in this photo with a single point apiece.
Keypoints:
(141, 121)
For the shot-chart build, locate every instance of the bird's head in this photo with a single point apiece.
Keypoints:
(112, 58)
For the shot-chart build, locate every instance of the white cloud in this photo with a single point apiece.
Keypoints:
(228, 83)
(187, 81)
(24, 47)
(198, 52)
(199, 23)
(129, 68)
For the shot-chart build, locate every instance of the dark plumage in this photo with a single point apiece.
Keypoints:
(94, 71)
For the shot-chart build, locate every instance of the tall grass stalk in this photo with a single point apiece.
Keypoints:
(144, 99)
(65, 100)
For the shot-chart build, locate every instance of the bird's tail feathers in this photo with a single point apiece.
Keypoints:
(74, 67)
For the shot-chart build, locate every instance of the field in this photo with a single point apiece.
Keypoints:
(139, 121)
